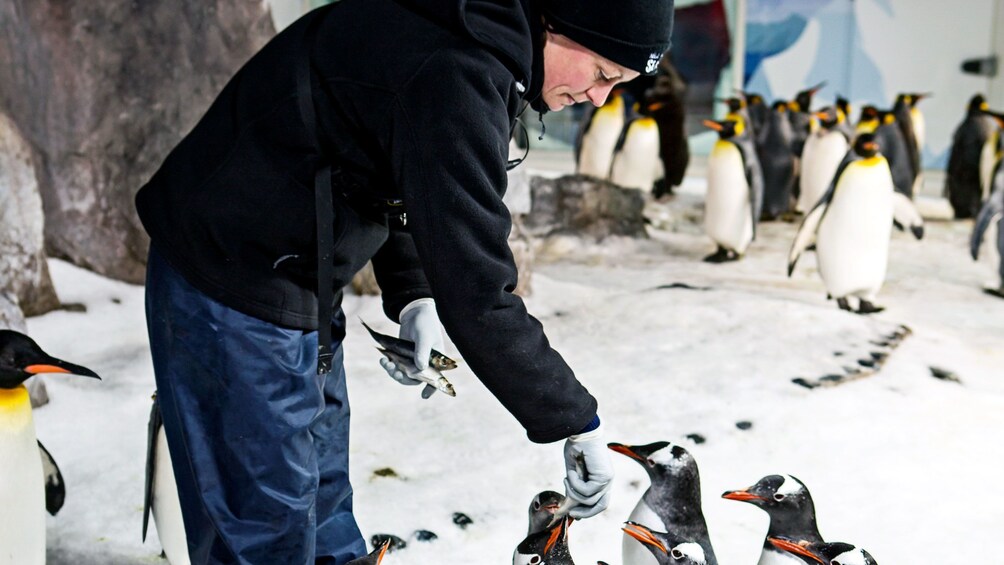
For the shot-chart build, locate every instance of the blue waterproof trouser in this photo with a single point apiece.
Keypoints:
(259, 441)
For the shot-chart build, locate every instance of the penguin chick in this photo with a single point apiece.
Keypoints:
(822, 553)
(787, 502)
(666, 549)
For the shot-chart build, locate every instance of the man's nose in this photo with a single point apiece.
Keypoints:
(598, 94)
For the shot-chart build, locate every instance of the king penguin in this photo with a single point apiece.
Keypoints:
(801, 118)
(667, 101)
(815, 553)
(777, 161)
(599, 132)
(672, 502)
(735, 192)
(792, 514)
(992, 211)
(636, 162)
(548, 547)
(23, 460)
(906, 119)
(851, 225)
(963, 181)
(824, 150)
(161, 498)
(891, 142)
(666, 548)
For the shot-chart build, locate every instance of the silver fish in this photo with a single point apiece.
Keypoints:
(402, 353)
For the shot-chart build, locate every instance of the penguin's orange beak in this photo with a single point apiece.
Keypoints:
(383, 551)
(821, 115)
(36, 369)
(792, 547)
(741, 495)
(870, 146)
(623, 449)
(644, 535)
(715, 126)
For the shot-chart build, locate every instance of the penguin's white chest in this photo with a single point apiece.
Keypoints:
(852, 244)
(22, 487)
(632, 550)
(820, 159)
(727, 213)
(167, 507)
(637, 163)
(597, 151)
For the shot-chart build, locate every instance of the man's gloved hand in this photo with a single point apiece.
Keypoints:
(419, 324)
(590, 473)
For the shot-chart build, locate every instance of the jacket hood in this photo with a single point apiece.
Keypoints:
(511, 29)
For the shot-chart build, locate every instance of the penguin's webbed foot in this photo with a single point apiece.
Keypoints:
(865, 307)
(721, 256)
(998, 292)
(842, 303)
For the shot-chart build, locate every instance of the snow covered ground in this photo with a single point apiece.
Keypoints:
(901, 463)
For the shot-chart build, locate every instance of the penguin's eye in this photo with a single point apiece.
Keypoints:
(677, 554)
(536, 505)
(778, 497)
(535, 560)
(650, 462)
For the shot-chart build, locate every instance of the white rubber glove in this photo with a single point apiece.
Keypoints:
(589, 473)
(419, 324)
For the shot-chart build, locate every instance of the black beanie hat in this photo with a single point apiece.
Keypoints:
(631, 33)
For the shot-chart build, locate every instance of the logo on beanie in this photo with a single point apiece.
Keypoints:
(653, 62)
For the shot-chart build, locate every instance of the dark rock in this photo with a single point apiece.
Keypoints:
(386, 472)
(76, 307)
(838, 353)
(396, 543)
(583, 206)
(462, 520)
(870, 363)
(104, 90)
(425, 535)
(116, 300)
(945, 375)
(831, 378)
(804, 383)
(744, 425)
(696, 438)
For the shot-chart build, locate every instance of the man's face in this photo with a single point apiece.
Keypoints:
(573, 74)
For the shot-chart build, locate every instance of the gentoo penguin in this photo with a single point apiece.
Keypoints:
(851, 225)
(666, 100)
(824, 150)
(777, 162)
(993, 210)
(815, 553)
(162, 492)
(541, 511)
(788, 503)
(599, 132)
(892, 145)
(667, 549)
(735, 192)
(374, 558)
(23, 496)
(672, 502)
(636, 162)
(962, 181)
(548, 547)
(801, 119)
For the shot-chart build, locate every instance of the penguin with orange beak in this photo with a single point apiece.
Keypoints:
(667, 549)
(787, 502)
(31, 481)
(672, 502)
(821, 553)
(375, 556)
(549, 546)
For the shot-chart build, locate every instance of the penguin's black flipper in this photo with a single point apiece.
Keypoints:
(55, 488)
(153, 428)
(993, 207)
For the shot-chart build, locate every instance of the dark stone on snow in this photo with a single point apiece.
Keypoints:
(462, 520)
(396, 543)
(425, 535)
(696, 438)
(804, 383)
(945, 375)
(744, 425)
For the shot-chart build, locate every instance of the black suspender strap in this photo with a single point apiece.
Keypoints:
(323, 204)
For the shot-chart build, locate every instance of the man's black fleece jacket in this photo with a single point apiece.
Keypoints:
(415, 100)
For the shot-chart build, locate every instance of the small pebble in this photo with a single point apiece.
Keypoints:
(744, 425)
(396, 543)
(462, 520)
(696, 438)
(425, 535)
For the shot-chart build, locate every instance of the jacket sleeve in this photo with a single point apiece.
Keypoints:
(449, 147)
(399, 273)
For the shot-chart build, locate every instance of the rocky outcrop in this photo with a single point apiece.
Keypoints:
(102, 90)
(24, 274)
(585, 207)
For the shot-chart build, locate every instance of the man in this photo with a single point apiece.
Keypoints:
(402, 120)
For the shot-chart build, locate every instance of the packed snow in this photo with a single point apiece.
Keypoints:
(899, 462)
